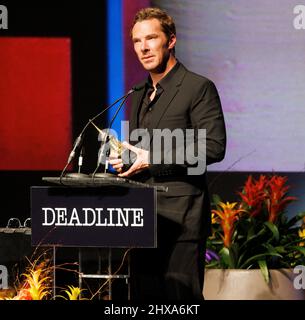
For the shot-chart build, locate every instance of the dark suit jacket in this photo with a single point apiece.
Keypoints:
(191, 102)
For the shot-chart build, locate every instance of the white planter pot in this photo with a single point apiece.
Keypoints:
(239, 284)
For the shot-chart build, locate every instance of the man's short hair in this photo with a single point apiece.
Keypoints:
(166, 21)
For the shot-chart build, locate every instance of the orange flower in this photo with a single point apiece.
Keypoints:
(24, 294)
(277, 200)
(228, 216)
(254, 194)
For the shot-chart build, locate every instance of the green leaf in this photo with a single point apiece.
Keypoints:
(227, 259)
(251, 232)
(280, 249)
(264, 269)
(233, 254)
(229, 256)
(273, 228)
(270, 248)
(300, 249)
(258, 257)
(295, 219)
(216, 242)
(255, 236)
(212, 265)
(215, 200)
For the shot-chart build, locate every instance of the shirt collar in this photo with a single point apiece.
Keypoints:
(165, 81)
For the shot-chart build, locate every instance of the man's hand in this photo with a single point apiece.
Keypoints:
(116, 162)
(141, 163)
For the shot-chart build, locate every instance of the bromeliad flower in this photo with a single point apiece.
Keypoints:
(262, 237)
(35, 286)
(23, 294)
(277, 200)
(38, 284)
(228, 215)
(213, 218)
(253, 194)
(302, 236)
(73, 293)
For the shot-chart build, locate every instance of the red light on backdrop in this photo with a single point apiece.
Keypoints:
(35, 103)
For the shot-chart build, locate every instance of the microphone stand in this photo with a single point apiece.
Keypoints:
(79, 139)
(104, 154)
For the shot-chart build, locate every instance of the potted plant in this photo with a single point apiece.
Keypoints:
(255, 236)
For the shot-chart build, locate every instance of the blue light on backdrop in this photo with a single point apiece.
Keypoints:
(115, 45)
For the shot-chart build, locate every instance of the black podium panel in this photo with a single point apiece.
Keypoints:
(93, 217)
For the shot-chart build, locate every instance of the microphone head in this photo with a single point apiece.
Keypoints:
(138, 88)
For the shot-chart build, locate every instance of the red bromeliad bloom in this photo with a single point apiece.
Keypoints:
(254, 193)
(228, 216)
(277, 201)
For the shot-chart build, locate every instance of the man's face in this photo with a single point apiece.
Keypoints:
(151, 45)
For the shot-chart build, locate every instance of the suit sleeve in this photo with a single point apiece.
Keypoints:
(205, 113)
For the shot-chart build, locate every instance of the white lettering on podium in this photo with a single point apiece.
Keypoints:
(46, 215)
(87, 223)
(61, 216)
(137, 218)
(74, 217)
(99, 216)
(122, 217)
(87, 217)
(110, 223)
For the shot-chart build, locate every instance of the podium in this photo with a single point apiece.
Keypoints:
(99, 180)
(101, 212)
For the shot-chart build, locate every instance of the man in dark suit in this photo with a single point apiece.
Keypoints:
(172, 98)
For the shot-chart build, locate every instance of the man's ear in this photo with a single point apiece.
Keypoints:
(172, 41)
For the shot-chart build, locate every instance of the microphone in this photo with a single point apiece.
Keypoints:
(113, 143)
(138, 88)
(104, 152)
(79, 139)
(80, 159)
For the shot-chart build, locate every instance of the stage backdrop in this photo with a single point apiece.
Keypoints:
(35, 132)
(255, 56)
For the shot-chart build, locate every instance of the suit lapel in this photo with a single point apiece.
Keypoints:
(166, 98)
(162, 104)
